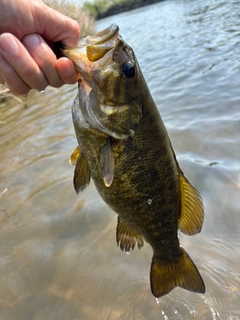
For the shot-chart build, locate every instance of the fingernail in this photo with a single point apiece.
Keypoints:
(31, 41)
(8, 43)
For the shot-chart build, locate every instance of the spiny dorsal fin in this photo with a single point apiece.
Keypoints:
(166, 276)
(192, 211)
(74, 156)
(82, 175)
(107, 164)
(127, 238)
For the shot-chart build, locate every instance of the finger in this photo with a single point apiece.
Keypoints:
(1, 77)
(66, 70)
(11, 79)
(21, 61)
(44, 57)
(63, 29)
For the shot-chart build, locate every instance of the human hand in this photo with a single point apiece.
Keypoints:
(26, 59)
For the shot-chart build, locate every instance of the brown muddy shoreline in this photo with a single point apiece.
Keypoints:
(123, 7)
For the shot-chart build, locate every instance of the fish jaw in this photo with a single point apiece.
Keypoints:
(91, 49)
(110, 101)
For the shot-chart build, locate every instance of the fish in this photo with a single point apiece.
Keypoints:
(124, 147)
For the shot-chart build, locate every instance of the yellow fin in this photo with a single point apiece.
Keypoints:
(107, 164)
(192, 211)
(81, 174)
(184, 274)
(74, 156)
(127, 238)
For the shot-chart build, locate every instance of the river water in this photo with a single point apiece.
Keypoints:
(58, 256)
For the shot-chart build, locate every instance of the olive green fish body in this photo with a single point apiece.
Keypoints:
(145, 190)
(124, 147)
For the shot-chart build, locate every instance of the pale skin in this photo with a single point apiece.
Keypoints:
(27, 30)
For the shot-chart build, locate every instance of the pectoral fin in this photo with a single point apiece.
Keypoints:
(107, 164)
(81, 174)
(192, 211)
(74, 156)
(127, 238)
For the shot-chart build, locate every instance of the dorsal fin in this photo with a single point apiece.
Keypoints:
(82, 175)
(74, 156)
(107, 163)
(192, 211)
(127, 238)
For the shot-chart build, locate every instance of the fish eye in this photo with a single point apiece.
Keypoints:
(128, 69)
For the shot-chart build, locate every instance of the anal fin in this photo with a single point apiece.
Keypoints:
(166, 276)
(192, 211)
(82, 174)
(127, 238)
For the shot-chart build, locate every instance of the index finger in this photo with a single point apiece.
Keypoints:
(55, 27)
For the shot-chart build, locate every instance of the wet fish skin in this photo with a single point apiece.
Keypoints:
(146, 188)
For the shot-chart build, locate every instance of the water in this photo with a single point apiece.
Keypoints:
(58, 255)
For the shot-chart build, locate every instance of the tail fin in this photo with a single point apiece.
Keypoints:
(184, 274)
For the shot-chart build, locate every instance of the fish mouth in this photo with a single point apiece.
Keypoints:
(91, 50)
(99, 44)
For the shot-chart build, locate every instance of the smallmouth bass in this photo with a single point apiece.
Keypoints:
(124, 147)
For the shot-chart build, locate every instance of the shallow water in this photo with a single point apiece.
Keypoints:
(58, 256)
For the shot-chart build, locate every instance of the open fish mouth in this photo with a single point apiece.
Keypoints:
(92, 49)
(99, 44)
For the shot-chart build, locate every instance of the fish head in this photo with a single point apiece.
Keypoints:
(109, 91)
